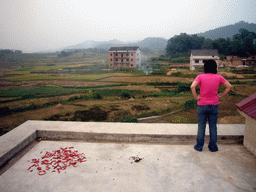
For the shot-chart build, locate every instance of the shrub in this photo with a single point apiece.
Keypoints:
(130, 119)
(162, 83)
(97, 96)
(126, 94)
(189, 104)
(98, 114)
(140, 107)
(4, 111)
(84, 97)
(181, 60)
(177, 74)
(74, 98)
(118, 115)
(150, 113)
(17, 110)
(95, 113)
(183, 87)
(233, 93)
(27, 97)
(244, 71)
(32, 107)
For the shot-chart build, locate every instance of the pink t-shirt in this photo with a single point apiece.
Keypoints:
(209, 84)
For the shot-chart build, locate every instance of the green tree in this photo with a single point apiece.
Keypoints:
(64, 54)
(207, 44)
(243, 43)
(181, 45)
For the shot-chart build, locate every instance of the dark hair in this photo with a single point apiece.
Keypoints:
(210, 66)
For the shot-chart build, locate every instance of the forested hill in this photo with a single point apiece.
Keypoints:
(228, 31)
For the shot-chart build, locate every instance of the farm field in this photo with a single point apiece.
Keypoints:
(85, 89)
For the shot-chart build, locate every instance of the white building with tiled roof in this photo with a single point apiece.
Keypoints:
(199, 56)
(124, 57)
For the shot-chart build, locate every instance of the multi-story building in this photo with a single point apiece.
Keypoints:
(199, 56)
(124, 57)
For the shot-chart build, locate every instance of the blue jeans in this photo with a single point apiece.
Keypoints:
(204, 113)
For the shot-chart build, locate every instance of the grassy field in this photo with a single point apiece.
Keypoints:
(84, 89)
(37, 77)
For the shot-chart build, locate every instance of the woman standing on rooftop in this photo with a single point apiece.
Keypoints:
(208, 103)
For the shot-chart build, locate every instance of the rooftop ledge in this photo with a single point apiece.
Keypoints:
(17, 139)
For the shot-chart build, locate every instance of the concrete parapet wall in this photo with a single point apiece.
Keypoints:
(17, 139)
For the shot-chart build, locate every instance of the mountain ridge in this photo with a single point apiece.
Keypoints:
(228, 30)
(155, 43)
(159, 43)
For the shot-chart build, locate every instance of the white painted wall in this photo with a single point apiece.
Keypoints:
(201, 59)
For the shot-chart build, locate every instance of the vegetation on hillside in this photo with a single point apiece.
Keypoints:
(242, 44)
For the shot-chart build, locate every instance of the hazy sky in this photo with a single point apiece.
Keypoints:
(37, 25)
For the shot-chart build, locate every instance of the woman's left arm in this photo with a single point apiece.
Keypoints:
(228, 88)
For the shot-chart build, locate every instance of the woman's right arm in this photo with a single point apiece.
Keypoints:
(228, 88)
(193, 89)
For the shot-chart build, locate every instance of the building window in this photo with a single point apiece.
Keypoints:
(131, 54)
(110, 59)
(116, 59)
(122, 60)
(116, 54)
(131, 59)
(127, 54)
(111, 54)
(196, 61)
(127, 59)
(122, 55)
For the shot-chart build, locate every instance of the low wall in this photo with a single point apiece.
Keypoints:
(158, 133)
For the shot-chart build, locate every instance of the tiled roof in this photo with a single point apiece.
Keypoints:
(204, 52)
(248, 106)
(124, 48)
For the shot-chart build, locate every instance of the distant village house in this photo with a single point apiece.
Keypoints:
(199, 56)
(236, 61)
(250, 61)
(124, 57)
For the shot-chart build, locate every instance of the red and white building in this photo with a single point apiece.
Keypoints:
(124, 57)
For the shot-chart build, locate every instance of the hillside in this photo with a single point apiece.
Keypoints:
(153, 43)
(159, 43)
(95, 44)
(227, 31)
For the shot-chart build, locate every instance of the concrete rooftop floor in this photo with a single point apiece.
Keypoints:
(169, 162)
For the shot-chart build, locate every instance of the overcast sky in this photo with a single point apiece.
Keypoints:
(37, 25)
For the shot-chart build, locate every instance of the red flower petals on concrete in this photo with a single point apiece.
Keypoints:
(57, 160)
